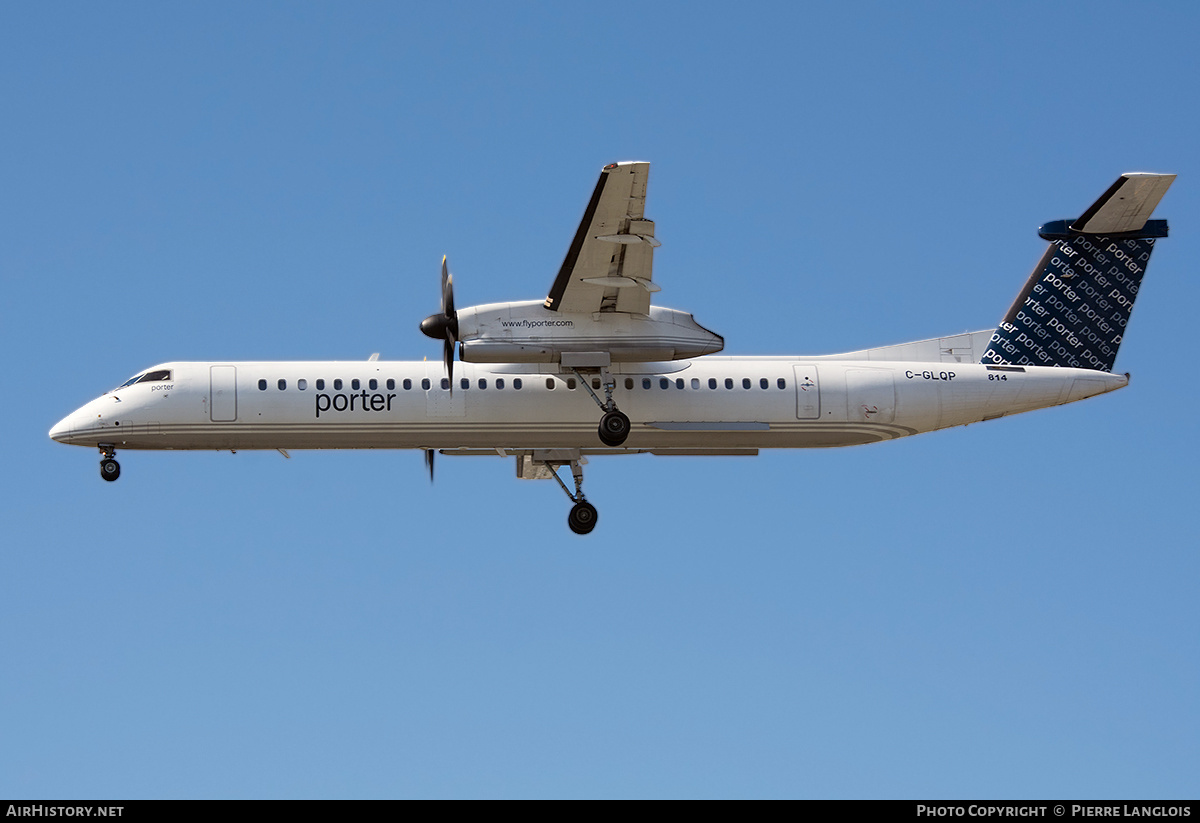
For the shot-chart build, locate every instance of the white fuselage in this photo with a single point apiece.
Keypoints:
(699, 406)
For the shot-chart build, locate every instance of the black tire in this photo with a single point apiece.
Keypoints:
(614, 428)
(582, 518)
(110, 469)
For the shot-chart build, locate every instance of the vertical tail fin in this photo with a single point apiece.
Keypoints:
(1076, 304)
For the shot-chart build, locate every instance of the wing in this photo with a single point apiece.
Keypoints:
(608, 267)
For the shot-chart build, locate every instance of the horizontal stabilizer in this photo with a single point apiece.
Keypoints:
(1127, 204)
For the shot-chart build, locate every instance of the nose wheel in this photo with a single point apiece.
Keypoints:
(109, 469)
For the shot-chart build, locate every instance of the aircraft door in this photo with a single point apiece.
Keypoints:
(222, 400)
(808, 392)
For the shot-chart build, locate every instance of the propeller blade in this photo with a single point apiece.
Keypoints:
(447, 290)
(451, 321)
(429, 462)
(444, 326)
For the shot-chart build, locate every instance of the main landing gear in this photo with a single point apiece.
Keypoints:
(614, 425)
(109, 469)
(583, 516)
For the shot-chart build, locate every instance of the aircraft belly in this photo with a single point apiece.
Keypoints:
(540, 436)
(575, 431)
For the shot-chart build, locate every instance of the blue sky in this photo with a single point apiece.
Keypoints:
(1006, 610)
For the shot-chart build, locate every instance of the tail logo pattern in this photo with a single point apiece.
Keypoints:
(1074, 309)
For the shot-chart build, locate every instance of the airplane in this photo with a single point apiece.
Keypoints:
(532, 377)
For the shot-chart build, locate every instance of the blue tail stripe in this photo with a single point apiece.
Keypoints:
(1075, 306)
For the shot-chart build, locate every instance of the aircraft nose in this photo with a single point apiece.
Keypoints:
(61, 430)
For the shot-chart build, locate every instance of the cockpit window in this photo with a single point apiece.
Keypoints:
(147, 377)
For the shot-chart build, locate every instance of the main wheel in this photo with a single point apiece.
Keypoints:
(110, 469)
(582, 518)
(614, 428)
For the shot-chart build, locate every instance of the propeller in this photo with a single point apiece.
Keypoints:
(444, 326)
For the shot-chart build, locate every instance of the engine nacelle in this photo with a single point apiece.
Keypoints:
(528, 332)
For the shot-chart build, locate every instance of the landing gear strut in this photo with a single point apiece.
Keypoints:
(614, 425)
(109, 469)
(583, 516)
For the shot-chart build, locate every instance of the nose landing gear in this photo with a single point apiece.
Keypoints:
(109, 469)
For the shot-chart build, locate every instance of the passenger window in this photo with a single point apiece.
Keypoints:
(391, 384)
(425, 383)
(262, 385)
(571, 384)
(595, 382)
(695, 382)
(762, 383)
(373, 384)
(407, 384)
(354, 384)
(445, 382)
(550, 383)
(482, 383)
(282, 384)
(745, 382)
(465, 383)
(729, 382)
(302, 384)
(645, 382)
(320, 384)
(629, 382)
(782, 383)
(517, 383)
(679, 382)
(499, 382)
(712, 382)
(663, 383)
(337, 384)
